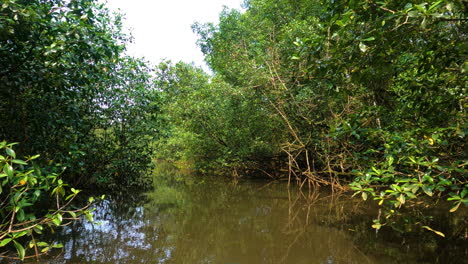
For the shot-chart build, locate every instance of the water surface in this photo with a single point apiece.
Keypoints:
(187, 219)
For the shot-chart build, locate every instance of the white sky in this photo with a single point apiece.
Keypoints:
(162, 28)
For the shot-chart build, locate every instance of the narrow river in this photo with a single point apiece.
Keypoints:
(187, 219)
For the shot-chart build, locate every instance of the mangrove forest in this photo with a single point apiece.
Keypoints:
(316, 120)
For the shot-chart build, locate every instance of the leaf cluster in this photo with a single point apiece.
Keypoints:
(23, 187)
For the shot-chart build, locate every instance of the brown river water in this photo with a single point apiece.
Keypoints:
(189, 219)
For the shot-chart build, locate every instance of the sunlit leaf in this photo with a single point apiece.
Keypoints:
(45, 249)
(58, 245)
(435, 231)
(56, 221)
(364, 196)
(455, 208)
(363, 47)
(4, 242)
(42, 244)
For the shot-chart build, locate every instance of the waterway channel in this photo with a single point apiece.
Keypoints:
(189, 219)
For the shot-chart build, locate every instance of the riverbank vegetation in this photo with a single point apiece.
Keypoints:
(362, 95)
(361, 92)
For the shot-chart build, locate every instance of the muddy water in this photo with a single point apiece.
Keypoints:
(191, 220)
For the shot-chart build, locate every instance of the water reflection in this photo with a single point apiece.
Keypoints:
(188, 220)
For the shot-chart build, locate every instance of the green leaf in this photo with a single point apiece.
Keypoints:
(20, 250)
(463, 193)
(421, 8)
(410, 195)
(58, 245)
(56, 221)
(378, 172)
(70, 196)
(10, 152)
(42, 244)
(4, 242)
(413, 14)
(368, 39)
(89, 217)
(395, 187)
(390, 160)
(38, 229)
(427, 190)
(456, 197)
(340, 23)
(434, 5)
(8, 170)
(20, 215)
(19, 162)
(20, 234)
(34, 157)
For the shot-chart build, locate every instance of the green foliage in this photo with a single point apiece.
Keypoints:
(124, 127)
(23, 187)
(211, 123)
(368, 92)
(416, 163)
(69, 93)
